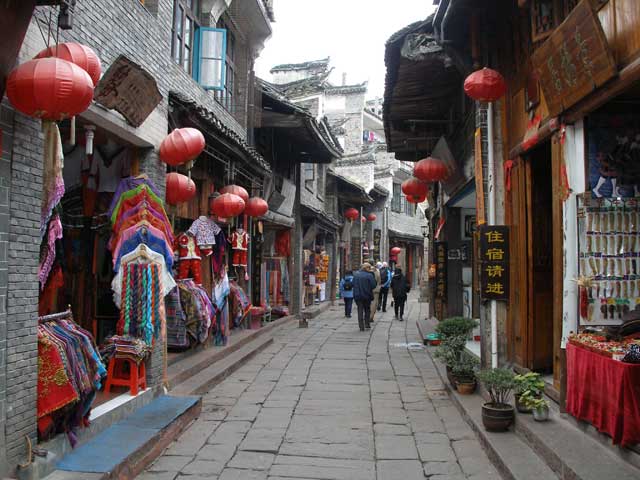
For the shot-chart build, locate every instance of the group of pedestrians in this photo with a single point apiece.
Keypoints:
(371, 285)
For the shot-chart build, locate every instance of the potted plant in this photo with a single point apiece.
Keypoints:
(528, 383)
(464, 373)
(448, 352)
(456, 326)
(498, 414)
(538, 405)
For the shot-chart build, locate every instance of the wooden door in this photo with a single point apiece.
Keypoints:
(518, 304)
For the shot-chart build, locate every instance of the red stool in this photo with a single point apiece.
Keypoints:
(117, 375)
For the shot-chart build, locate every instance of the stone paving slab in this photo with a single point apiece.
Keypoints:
(330, 403)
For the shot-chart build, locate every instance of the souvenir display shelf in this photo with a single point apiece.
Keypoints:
(609, 258)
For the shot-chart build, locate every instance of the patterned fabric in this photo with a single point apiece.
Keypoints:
(239, 240)
(205, 231)
(140, 214)
(240, 304)
(141, 295)
(52, 181)
(129, 199)
(49, 252)
(157, 244)
(131, 183)
(176, 327)
(54, 386)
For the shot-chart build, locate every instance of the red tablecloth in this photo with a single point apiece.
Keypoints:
(605, 393)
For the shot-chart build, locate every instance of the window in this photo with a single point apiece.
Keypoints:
(409, 208)
(199, 50)
(396, 200)
(321, 183)
(308, 175)
(185, 13)
(226, 95)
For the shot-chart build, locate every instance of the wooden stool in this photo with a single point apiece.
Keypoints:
(119, 377)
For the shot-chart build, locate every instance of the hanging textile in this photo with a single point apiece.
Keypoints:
(52, 179)
(48, 253)
(124, 347)
(198, 310)
(239, 304)
(176, 321)
(140, 314)
(219, 296)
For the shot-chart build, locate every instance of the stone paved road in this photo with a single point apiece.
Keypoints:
(330, 402)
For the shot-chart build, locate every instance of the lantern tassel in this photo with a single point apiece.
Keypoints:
(72, 133)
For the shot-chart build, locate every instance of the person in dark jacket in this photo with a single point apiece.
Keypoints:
(363, 284)
(346, 292)
(399, 289)
(385, 283)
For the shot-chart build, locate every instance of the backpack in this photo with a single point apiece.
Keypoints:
(384, 275)
(348, 284)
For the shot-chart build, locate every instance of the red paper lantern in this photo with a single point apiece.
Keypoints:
(363, 219)
(372, 217)
(430, 170)
(414, 187)
(485, 85)
(50, 88)
(228, 205)
(236, 190)
(395, 250)
(181, 146)
(351, 214)
(180, 188)
(78, 54)
(416, 198)
(256, 207)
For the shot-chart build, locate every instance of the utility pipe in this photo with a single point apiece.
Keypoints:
(492, 221)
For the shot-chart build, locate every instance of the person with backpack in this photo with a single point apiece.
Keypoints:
(399, 289)
(385, 281)
(346, 292)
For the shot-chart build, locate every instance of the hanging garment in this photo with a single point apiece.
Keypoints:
(140, 314)
(204, 230)
(176, 325)
(142, 226)
(48, 255)
(217, 259)
(131, 197)
(131, 183)
(52, 180)
(141, 213)
(157, 244)
(240, 304)
(112, 168)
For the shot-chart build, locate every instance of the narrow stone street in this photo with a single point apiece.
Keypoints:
(330, 402)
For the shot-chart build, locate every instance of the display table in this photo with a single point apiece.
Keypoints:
(605, 393)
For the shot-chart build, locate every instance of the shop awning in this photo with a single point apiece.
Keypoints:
(405, 237)
(314, 140)
(190, 112)
(465, 197)
(350, 191)
(324, 220)
(277, 219)
(379, 190)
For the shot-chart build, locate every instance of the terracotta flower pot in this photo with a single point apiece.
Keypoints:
(466, 387)
(497, 418)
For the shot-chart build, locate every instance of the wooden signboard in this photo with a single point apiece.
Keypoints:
(480, 212)
(574, 60)
(494, 262)
(128, 89)
(441, 270)
(377, 237)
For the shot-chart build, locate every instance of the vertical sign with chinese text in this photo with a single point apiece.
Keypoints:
(441, 270)
(494, 262)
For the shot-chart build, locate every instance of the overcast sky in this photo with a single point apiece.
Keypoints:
(351, 32)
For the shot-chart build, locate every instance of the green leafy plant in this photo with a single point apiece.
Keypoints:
(449, 351)
(529, 382)
(464, 369)
(533, 402)
(499, 382)
(456, 326)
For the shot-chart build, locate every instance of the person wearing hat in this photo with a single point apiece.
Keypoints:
(364, 283)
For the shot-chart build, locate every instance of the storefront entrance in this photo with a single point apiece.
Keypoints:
(533, 220)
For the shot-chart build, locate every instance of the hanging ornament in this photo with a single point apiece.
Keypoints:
(256, 207)
(180, 188)
(430, 170)
(236, 190)
(50, 89)
(372, 217)
(181, 146)
(363, 219)
(228, 205)
(414, 187)
(351, 214)
(395, 250)
(78, 54)
(415, 198)
(485, 85)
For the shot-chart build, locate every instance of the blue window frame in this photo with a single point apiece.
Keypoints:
(210, 58)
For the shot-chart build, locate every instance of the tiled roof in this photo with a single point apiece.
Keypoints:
(323, 63)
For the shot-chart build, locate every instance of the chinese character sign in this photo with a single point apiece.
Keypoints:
(494, 262)
(441, 270)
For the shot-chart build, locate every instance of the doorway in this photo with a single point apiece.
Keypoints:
(531, 310)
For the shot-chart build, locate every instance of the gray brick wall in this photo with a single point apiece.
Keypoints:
(111, 28)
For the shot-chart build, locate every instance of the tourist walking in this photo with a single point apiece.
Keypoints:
(375, 271)
(346, 292)
(399, 289)
(385, 283)
(363, 284)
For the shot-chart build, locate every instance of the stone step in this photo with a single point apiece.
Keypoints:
(126, 448)
(210, 376)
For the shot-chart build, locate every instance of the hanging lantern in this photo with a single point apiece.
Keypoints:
(236, 190)
(78, 54)
(351, 214)
(416, 198)
(430, 170)
(485, 85)
(372, 217)
(50, 88)
(180, 188)
(414, 187)
(228, 205)
(181, 146)
(395, 250)
(363, 219)
(256, 207)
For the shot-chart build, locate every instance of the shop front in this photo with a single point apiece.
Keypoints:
(318, 243)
